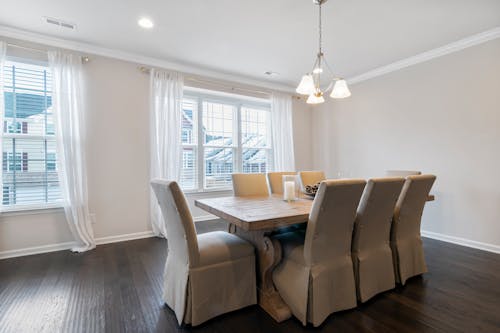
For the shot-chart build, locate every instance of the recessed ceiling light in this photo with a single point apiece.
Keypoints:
(145, 23)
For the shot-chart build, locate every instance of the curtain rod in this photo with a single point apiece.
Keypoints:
(27, 48)
(147, 70)
(230, 87)
(84, 58)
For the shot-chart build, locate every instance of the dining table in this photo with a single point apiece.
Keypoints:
(256, 218)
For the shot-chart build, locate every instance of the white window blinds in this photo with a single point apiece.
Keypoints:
(29, 149)
(221, 136)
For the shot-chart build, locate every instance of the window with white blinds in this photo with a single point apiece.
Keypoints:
(29, 168)
(220, 136)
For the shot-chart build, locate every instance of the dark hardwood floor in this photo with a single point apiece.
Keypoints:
(117, 288)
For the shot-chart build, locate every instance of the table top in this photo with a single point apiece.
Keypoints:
(258, 213)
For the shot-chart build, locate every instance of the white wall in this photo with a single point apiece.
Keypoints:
(117, 146)
(117, 149)
(441, 117)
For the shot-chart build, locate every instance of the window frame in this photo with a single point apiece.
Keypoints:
(237, 103)
(15, 209)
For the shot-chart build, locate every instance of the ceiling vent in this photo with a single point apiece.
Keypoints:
(271, 73)
(59, 23)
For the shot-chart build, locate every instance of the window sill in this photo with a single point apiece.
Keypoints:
(214, 191)
(31, 210)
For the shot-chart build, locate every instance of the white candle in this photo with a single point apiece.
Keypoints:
(289, 191)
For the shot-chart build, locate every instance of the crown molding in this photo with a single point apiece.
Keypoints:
(209, 73)
(89, 48)
(428, 55)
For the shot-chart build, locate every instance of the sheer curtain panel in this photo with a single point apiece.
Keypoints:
(166, 111)
(70, 135)
(3, 53)
(282, 129)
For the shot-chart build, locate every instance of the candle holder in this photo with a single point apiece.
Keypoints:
(290, 188)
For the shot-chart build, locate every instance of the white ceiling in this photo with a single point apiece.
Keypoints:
(249, 37)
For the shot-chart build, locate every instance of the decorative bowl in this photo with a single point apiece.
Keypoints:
(310, 190)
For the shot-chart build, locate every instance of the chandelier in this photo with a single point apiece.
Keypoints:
(311, 82)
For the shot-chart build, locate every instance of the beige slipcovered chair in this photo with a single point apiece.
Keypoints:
(316, 277)
(406, 243)
(205, 275)
(276, 180)
(402, 173)
(310, 178)
(250, 184)
(371, 250)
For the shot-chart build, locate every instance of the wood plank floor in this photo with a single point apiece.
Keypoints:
(117, 288)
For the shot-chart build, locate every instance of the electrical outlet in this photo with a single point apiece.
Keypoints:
(92, 218)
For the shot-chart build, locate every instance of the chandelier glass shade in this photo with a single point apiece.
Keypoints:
(340, 89)
(310, 84)
(315, 98)
(306, 85)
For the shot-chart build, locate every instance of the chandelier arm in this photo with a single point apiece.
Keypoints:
(335, 77)
(330, 86)
(315, 64)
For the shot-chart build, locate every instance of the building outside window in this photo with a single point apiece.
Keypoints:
(29, 150)
(222, 135)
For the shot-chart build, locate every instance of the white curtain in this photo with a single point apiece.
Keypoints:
(282, 129)
(3, 53)
(70, 135)
(166, 112)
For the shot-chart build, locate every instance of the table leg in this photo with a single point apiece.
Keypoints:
(268, 256)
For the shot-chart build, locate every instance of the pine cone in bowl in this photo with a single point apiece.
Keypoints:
(311, 189)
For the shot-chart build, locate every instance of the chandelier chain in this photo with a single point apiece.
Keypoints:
(320, 29)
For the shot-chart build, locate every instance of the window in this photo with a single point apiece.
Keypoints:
(29, 148)
(255, 133)
(222, 135)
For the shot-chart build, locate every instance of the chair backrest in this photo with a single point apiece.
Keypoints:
(311, 177)
(276, 180)
(182, 241)
(250, 184)
(410, 206)
(402, 173)
(329, 230)
(372, 227)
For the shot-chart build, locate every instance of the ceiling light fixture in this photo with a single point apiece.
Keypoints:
(310, 82)
(145, 23)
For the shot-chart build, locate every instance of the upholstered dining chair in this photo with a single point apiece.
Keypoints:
(406, 242)
(315, 277)
(250, 184)
(310, 178)
(275, 180)
(402, 173)
(371, 250)
(205, 275)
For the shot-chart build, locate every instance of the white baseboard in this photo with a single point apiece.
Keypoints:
(68, 245)
(146, 234)
(123, 238)
(99, 241)
(36, 250)
(205, 218)
(462, 241)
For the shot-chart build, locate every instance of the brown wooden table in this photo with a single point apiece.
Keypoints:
(254, 219)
